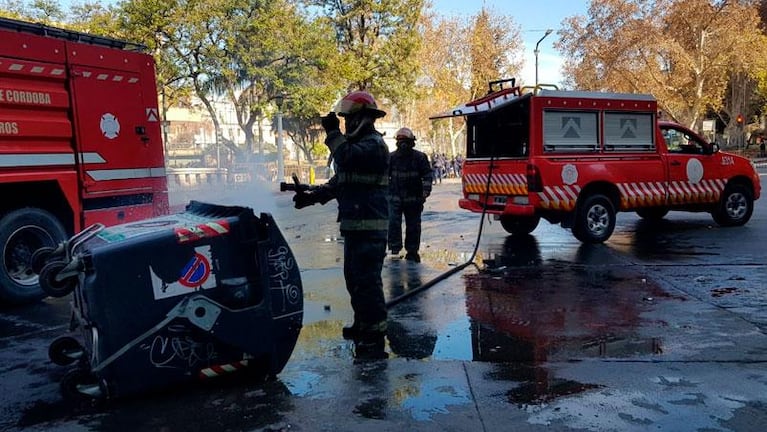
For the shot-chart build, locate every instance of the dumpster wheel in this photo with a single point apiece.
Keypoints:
(40, 258)
(80, 385)
(65, 350)
(50, 285)
(259, 370)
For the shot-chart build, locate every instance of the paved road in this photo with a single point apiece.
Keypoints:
(661, 328)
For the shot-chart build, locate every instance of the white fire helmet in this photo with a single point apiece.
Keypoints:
(404, 134)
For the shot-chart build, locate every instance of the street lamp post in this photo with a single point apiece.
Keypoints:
(279, 99)
(536, 51)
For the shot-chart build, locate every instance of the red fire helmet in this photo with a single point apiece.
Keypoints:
(358, 101)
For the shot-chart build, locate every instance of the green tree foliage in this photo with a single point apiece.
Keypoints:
(41, 11)
(155, 24)
(244, 52)
(94, 17)
(277, 51)
(682, 51)
(378, 40)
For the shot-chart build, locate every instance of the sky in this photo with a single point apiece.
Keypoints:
(534, 17)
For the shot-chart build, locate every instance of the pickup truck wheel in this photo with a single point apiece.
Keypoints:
(519, 225)
(594, 219)
(652, 213)
(735, 206)
(22, 232)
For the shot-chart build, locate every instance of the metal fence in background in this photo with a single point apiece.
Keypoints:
(238, 174)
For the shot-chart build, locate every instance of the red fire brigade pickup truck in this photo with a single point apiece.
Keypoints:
(80, 143)
(577, 158)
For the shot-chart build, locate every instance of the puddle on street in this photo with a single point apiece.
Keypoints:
(519, 311)
(525, 309)
(536, 385)
(653, 240)
(520, 307)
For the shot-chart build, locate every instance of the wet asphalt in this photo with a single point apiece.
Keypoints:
(661, 328)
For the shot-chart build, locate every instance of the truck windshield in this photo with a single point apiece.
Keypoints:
(504, 132)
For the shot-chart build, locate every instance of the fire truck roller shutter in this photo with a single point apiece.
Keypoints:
(22, 232)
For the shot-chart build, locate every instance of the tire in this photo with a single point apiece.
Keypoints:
(22, 232)
(519, 225)
(735, 206)
(65, 350)
(594, 219)
(50, 285)
(652, 213)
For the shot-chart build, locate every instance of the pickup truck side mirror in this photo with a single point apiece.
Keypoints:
(711, 148)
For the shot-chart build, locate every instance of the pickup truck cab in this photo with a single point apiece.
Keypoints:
(577, 158)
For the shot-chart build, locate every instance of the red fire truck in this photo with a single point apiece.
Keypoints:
(80, 142)
(576, 158)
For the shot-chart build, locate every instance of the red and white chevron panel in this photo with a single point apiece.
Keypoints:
(561, 197)
(209, 229)
(641, 194)
(504, 184)
(224, 369)
(632, 195)
(705, 191)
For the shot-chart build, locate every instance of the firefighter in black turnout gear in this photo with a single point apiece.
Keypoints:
(360, 186)
(410, 180)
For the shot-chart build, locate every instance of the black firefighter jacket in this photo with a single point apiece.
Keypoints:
(410, 176)
(361, 181)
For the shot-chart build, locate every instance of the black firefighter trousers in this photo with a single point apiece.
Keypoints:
(412, 211)
(364, 253)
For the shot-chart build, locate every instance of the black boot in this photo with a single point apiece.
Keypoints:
(370, 346)
(351, 332)
(413, 256)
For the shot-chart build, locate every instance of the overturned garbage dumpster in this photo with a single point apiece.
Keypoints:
(174, 299)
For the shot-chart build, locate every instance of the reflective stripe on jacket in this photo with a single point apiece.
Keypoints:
(360, 183)
(410, 175)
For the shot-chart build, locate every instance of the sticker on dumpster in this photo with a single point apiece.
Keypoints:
(196, 271)
(153, 223)
(201, 231)
(196, 275)
(123, 232)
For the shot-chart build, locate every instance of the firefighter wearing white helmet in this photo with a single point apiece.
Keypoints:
(410, 180)
(360, 186)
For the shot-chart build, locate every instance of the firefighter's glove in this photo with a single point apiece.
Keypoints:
(305, 199)
(331, 123)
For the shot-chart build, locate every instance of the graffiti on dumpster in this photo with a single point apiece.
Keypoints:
(281, 264)
(179, 352)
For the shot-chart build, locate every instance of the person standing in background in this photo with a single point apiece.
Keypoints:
(410, 182)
